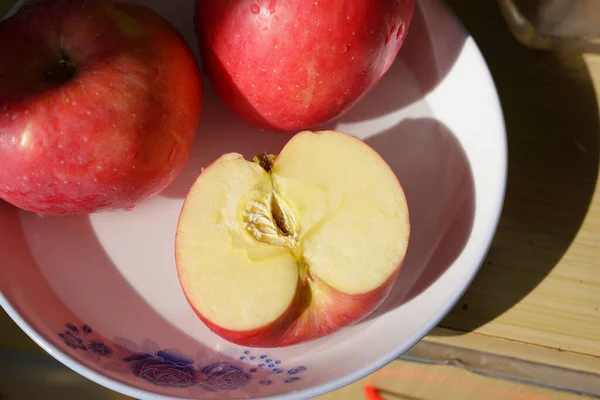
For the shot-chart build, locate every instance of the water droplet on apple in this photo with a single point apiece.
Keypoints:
(390, 33)
(400, 30)
(254, 8)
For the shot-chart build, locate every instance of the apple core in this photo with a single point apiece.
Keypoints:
(269, 219)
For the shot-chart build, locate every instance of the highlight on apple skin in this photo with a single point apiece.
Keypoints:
(289, 248)
(99, 105)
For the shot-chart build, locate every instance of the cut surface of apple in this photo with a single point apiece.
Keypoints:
(289, 248)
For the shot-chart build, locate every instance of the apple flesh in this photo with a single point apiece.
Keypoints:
(292, 247)
(99, 106)
(291, 65)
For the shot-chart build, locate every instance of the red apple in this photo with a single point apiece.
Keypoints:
(99, 105)
(291, 65)
(292, 247)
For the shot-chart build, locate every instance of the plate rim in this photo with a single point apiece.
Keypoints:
(358, 374)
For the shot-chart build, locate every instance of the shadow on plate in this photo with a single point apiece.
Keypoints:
(96, 295)
(431, 48)
(437, 179)
(222, 132)
(552, 122)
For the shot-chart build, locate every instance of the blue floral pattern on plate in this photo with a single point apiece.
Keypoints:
(223, 376)
(171, 368)
(79, 339)
(163, 368)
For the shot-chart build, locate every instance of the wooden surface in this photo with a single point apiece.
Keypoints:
(537, 297)
(404, 380)
(541, 282)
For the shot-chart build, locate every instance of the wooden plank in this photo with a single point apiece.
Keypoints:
(500, 365)
(515, 349)
(403, 380)
(541, 281)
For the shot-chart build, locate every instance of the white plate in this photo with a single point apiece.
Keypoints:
(81, 285)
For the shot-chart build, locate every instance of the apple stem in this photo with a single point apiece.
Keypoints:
(63, 71)
(265, 161)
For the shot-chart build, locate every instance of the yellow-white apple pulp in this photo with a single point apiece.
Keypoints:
(329, 207)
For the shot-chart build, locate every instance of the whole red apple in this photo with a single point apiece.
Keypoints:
(99, 105)
(290, 65)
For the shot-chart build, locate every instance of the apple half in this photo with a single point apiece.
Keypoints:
(293, 247)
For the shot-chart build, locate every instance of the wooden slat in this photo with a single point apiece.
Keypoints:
(515, 349)
(541, 282)
(402, 380)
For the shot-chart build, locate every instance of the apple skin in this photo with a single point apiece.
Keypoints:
(316, 311)
(290, 65)
(115, 133)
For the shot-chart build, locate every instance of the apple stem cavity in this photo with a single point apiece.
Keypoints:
(303, 272)
(61, 72)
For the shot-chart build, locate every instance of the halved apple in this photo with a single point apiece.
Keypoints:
(292, 247)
